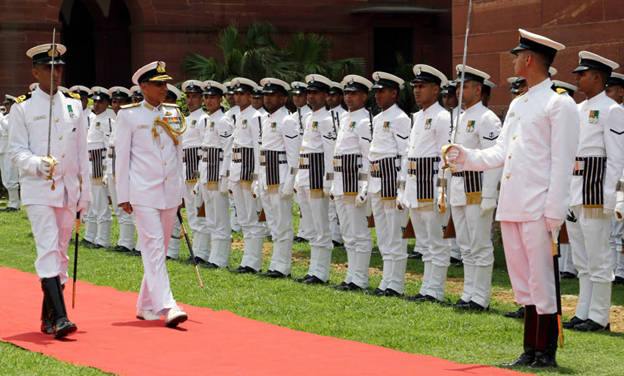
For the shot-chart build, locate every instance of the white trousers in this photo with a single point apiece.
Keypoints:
(124, 220)
(615, 241)
(155, 227)
(101, 214)
(201, 233)
(217, 221)
(389, 226)
(565, 261)
(233, 216)
(306, 226)
(334, 226)
(52, 229)
(473, 235)
(321, 245)
(253, 231)
(279, 217)
(529, 255)
(428, 224)
(357, 240)
(592, 256)
(10, 179)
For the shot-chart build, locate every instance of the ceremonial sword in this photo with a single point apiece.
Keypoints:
(48, 158)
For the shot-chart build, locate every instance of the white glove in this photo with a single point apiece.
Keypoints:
(456, 154)
(608, 212)
(223, 185)
(362, 196)
(487, 206)
(331, 192)
(619, 211)
(399, 199)
(81, 208)
(553, 225)
(327, 187)
(196, 189)
(439, 200)
(254, 189)
(44, 167)
(105, 180)
(230, 186)
(287, 190)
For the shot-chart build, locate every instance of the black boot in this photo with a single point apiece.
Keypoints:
(46, 322)
(546, 344)
(53, 295)
(530, 332)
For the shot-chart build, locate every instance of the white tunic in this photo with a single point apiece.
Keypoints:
(280, 132)
(354, 137)
(602, 137)
(536, 149)
(4, 133)
(148, 170)
(246, 135)
(218, 134)
(318, 137)
(100, 129)
(28, 142)
(478, 128)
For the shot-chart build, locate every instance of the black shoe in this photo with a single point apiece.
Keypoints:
(210, 265)
(121, 248)
(522, 361)
(304, 278)
(99, 246)
(455, 260)
(170, 258)
(567, 275)
(46, 322)
(392, 293)
(459, 264)
(349, 287)
(276, 274)
(472, 306)
(572, 323)
(546, 341)
(135, 252)
(244, 270)
(198, 260)
(340, 286)
(530, 334)
(314, 280)
(337, 244)
(429, 299)
(457, 303)
(618, 281)
(84, 242)
(299, 239)
(375, 253)
(377, 291)
(519, 314)
(9, 209)
(591, 326)
(53, 295)
(414, 298)
(543, 360)
(415, 255)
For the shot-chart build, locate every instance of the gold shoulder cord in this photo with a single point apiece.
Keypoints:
(173, 133)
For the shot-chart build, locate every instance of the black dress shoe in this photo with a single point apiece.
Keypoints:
(523, 361)
(472, 306)
(340, 286)
(240, 269)
(455, 260)
(304, 278)
(618, 281)
(591, 326)
(349, 287)
(391, 293)
(9, 209)
(314, 280)
(542, 360)
(457, 303)
(415, 255)
(170, 258)
(519, 314)
(299, 239)
(135, 252)
(198, 260)
(210, 265)
(572, 323)
(84, 242)
(276, 274)
(245, 270)
(121, 248)
(568, 275)
(337, 244)
(414, 298)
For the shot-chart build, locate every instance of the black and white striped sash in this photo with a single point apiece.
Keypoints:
(386, 169)
(213, 158)
(271, 159)
(315, 162)
(425, 169)
(192, 157)
(97, 162)
(245, 157)
(349, 165)
(592, 169)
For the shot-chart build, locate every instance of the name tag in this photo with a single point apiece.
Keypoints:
(143, 126)
(42, 117)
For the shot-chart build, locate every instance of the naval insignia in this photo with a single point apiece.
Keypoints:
(315, 126)
(419, 71)
(491, 137)
(593, 116)
(470, 126)
(377, 77)
(351, 126)
(211, 126)
(351, 81)
(39, 117)
(386, 126)
(428, 124)
(70, 110)
(244, 126)
(311, 80)
(53, 52)
(273, 126)
(160, 68)
(193, 123)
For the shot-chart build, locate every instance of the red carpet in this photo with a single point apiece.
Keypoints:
(210, 343)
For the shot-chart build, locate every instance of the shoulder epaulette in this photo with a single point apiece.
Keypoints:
(519, 95)
(22, 98)
(72, 95)
(170, 105)
(130, 105)
(561, 91)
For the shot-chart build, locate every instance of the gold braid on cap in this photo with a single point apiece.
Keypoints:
(173, 133)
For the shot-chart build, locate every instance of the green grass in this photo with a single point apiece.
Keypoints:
(429, 329)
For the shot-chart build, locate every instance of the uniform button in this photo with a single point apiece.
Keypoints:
(526, 99)
(458, 132)
(463, 119)
(165, 178)
(165, 163)
(63, 174)
(374, 144)
(236, 138)
(63, 156)
(57, 120)
(160, 131)
(376, 132)
(585, 109)
(509, 157)
(413, 146)
(162, 147)
(507, 176)
(519, 117)
(416, 132)
(514, 137)
(60, 137)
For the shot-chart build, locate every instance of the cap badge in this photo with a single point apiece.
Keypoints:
(378, 77)
(268, 83)
(311, 80)
(351, 81)
(208, 85)
(160, 68)
(419, 71)
(53, 51)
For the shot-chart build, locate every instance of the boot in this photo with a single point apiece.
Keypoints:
(470, 272)
(46, 322)
(14, 201)
(530, 334)
(546, 343)
(53, 295)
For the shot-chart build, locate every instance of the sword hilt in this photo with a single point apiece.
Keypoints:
(52, 162)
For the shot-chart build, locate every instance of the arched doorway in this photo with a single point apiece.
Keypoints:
(97, 36)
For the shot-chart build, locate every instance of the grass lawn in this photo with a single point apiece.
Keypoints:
(429, 329)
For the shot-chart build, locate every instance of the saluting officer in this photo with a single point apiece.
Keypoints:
(150, 183)
(391, 129)
(100, 129)
(536, 149)
(10, 175)
(51, 204)
(279, 157)
(244, 175)
(214, 172)
(473, 193)
(192, 139)
(312, 185)
(597, 170)
(421, 170)
(351, 167)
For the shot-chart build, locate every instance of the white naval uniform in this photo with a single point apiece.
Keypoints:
(616, 242)
(192, 139)
(455, 251)
(589, 228)
(280, 143)
(352, 145)
(316, 159)
(100, 128)
(334, 225)
(243, 175)
(233, 113)
(389, 143)
(306, 227)
(10, 176)
(478, 128)
(124, 220)
(536, 149)
(421, 168)
(217, 148)
(149, 177)
(51, 212)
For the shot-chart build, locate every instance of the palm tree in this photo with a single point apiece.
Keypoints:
(256, 55)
